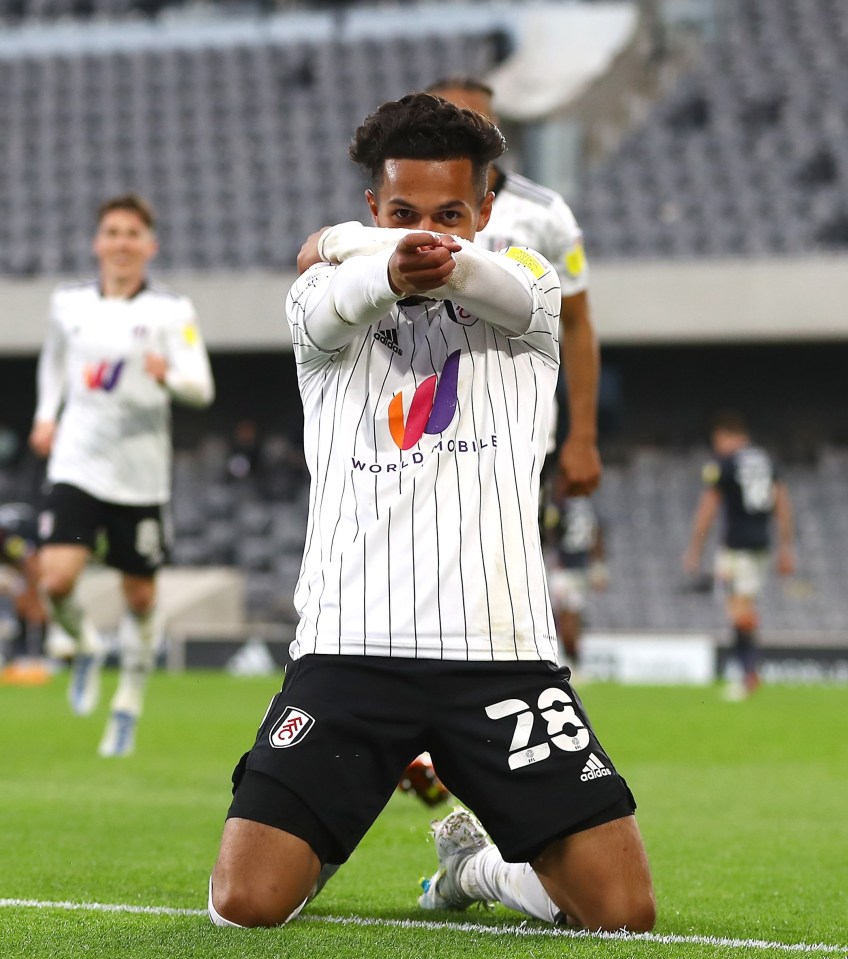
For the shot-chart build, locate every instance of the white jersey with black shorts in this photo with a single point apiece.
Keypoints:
(425, 622)
(113, 439)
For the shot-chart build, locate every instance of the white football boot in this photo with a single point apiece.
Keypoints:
(84, 688)
(458, 837)
(119, 737)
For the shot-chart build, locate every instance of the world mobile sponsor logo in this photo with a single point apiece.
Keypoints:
(443, 446)
(103, 375)
(432, 409)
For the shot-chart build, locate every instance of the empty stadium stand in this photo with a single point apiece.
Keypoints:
(747, 155)
(645, 504)
(242, 147)
(240, 141)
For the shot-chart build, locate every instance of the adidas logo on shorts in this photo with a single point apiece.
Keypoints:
(594, 769)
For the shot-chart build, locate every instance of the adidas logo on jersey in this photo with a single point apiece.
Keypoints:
(389, 338)
(594, 769)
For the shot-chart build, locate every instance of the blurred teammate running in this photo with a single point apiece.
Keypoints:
(118, 350)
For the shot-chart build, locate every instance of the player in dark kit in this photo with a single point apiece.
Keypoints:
(742, 482)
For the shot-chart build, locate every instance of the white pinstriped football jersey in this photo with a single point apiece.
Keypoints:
(114, 433)
(424, 437)
(527, 214)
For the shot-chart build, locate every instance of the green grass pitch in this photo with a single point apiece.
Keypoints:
(744, 808)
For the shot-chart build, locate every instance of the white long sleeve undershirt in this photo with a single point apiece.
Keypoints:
(486, 284)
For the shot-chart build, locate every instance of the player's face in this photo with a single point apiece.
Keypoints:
(725, 442)
(436, 195)
(123, 245)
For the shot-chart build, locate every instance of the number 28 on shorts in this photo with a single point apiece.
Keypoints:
(565, 729)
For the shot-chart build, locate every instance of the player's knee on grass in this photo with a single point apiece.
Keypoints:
(633, 910)
(249, 906)
(613, 907)
(600, 879)
(263, 875)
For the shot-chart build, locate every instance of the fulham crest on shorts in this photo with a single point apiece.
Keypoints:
(290, 728)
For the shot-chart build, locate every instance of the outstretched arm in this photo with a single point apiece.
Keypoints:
(501, 291)
(483, 282)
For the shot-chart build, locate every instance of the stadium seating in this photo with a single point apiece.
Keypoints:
(645, 503)
(747, 155)
(242, 148)
(47, 11)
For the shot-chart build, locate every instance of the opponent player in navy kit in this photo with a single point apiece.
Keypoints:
(424, 617)
(742, 484)
(118, 350)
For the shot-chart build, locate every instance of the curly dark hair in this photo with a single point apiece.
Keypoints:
(421, 126)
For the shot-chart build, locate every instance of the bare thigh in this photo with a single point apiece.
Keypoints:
(60, 566)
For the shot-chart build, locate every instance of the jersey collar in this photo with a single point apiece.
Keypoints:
(144, 286)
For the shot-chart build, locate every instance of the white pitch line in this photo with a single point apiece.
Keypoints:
(521, 930)
(100, 907)
(557, 933)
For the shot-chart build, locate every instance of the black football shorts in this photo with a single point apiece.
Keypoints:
(134, 539)
(511, 741)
